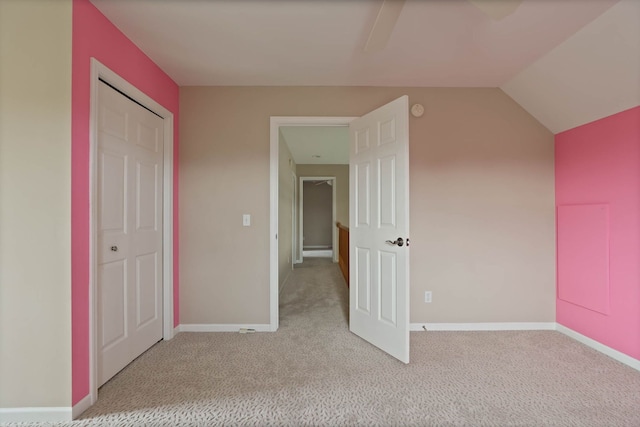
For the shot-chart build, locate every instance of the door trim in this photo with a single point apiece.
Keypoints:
(334, 229)
(100, 71)
(275, 123)
(294, 222)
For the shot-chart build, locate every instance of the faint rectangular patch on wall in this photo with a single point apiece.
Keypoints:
(583, 256)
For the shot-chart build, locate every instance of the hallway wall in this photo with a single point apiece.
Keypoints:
(286, 193)
(341, 172)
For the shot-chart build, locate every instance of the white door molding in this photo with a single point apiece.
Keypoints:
(295, 258)
(275, 124)
(100, 72)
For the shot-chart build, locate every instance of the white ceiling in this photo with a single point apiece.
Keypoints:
(593, 74)
(567, 62)
(320, 42)
(329, 143)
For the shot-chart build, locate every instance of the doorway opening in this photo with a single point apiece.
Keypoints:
(280, 223)
(378, 169)
(317, 231)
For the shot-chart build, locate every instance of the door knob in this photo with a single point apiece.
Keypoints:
(399, 241)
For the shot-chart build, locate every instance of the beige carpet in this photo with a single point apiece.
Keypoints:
(314, 372)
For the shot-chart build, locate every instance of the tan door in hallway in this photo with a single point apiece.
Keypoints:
(129, 291)
(379, 228)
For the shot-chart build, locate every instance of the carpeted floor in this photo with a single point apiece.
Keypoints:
(313, 371)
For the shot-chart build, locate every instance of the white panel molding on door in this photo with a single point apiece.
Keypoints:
(146, 177)
(379, 228)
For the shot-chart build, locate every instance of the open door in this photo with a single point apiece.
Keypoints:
(379, 228)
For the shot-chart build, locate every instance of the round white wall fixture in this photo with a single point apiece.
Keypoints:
(417, 110)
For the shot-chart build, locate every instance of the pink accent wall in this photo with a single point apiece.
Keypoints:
(95, 36)
(598, 170)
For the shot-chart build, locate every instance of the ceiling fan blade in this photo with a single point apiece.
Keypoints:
(497, 9)
(383, 27)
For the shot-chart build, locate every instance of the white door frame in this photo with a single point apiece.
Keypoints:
(334, 229)
(295, 259)
(100, 71)
(275, 124)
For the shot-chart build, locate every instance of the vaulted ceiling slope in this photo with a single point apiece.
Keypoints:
(593, 74)
(566, 61)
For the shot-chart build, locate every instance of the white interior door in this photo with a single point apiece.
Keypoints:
(129, 291)
(379, 228)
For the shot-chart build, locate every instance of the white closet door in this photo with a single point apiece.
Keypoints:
(129, 231)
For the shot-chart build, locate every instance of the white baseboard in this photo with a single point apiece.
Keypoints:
(36, 415)
(81, 406)
(319, 253)
(177, 330)
(531, 326)
(614, 354)
(501, 326)
(225, 327)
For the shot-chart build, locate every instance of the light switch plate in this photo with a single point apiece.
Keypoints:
(246, 220)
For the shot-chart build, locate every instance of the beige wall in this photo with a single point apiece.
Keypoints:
(286, 193)
(35, 203)
(482, 201)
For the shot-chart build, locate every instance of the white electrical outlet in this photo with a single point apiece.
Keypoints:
(427, 296)
(246, 220)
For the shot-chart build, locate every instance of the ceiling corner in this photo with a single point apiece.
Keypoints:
(591, 75)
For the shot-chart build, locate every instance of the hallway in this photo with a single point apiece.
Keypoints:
(313, 295)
